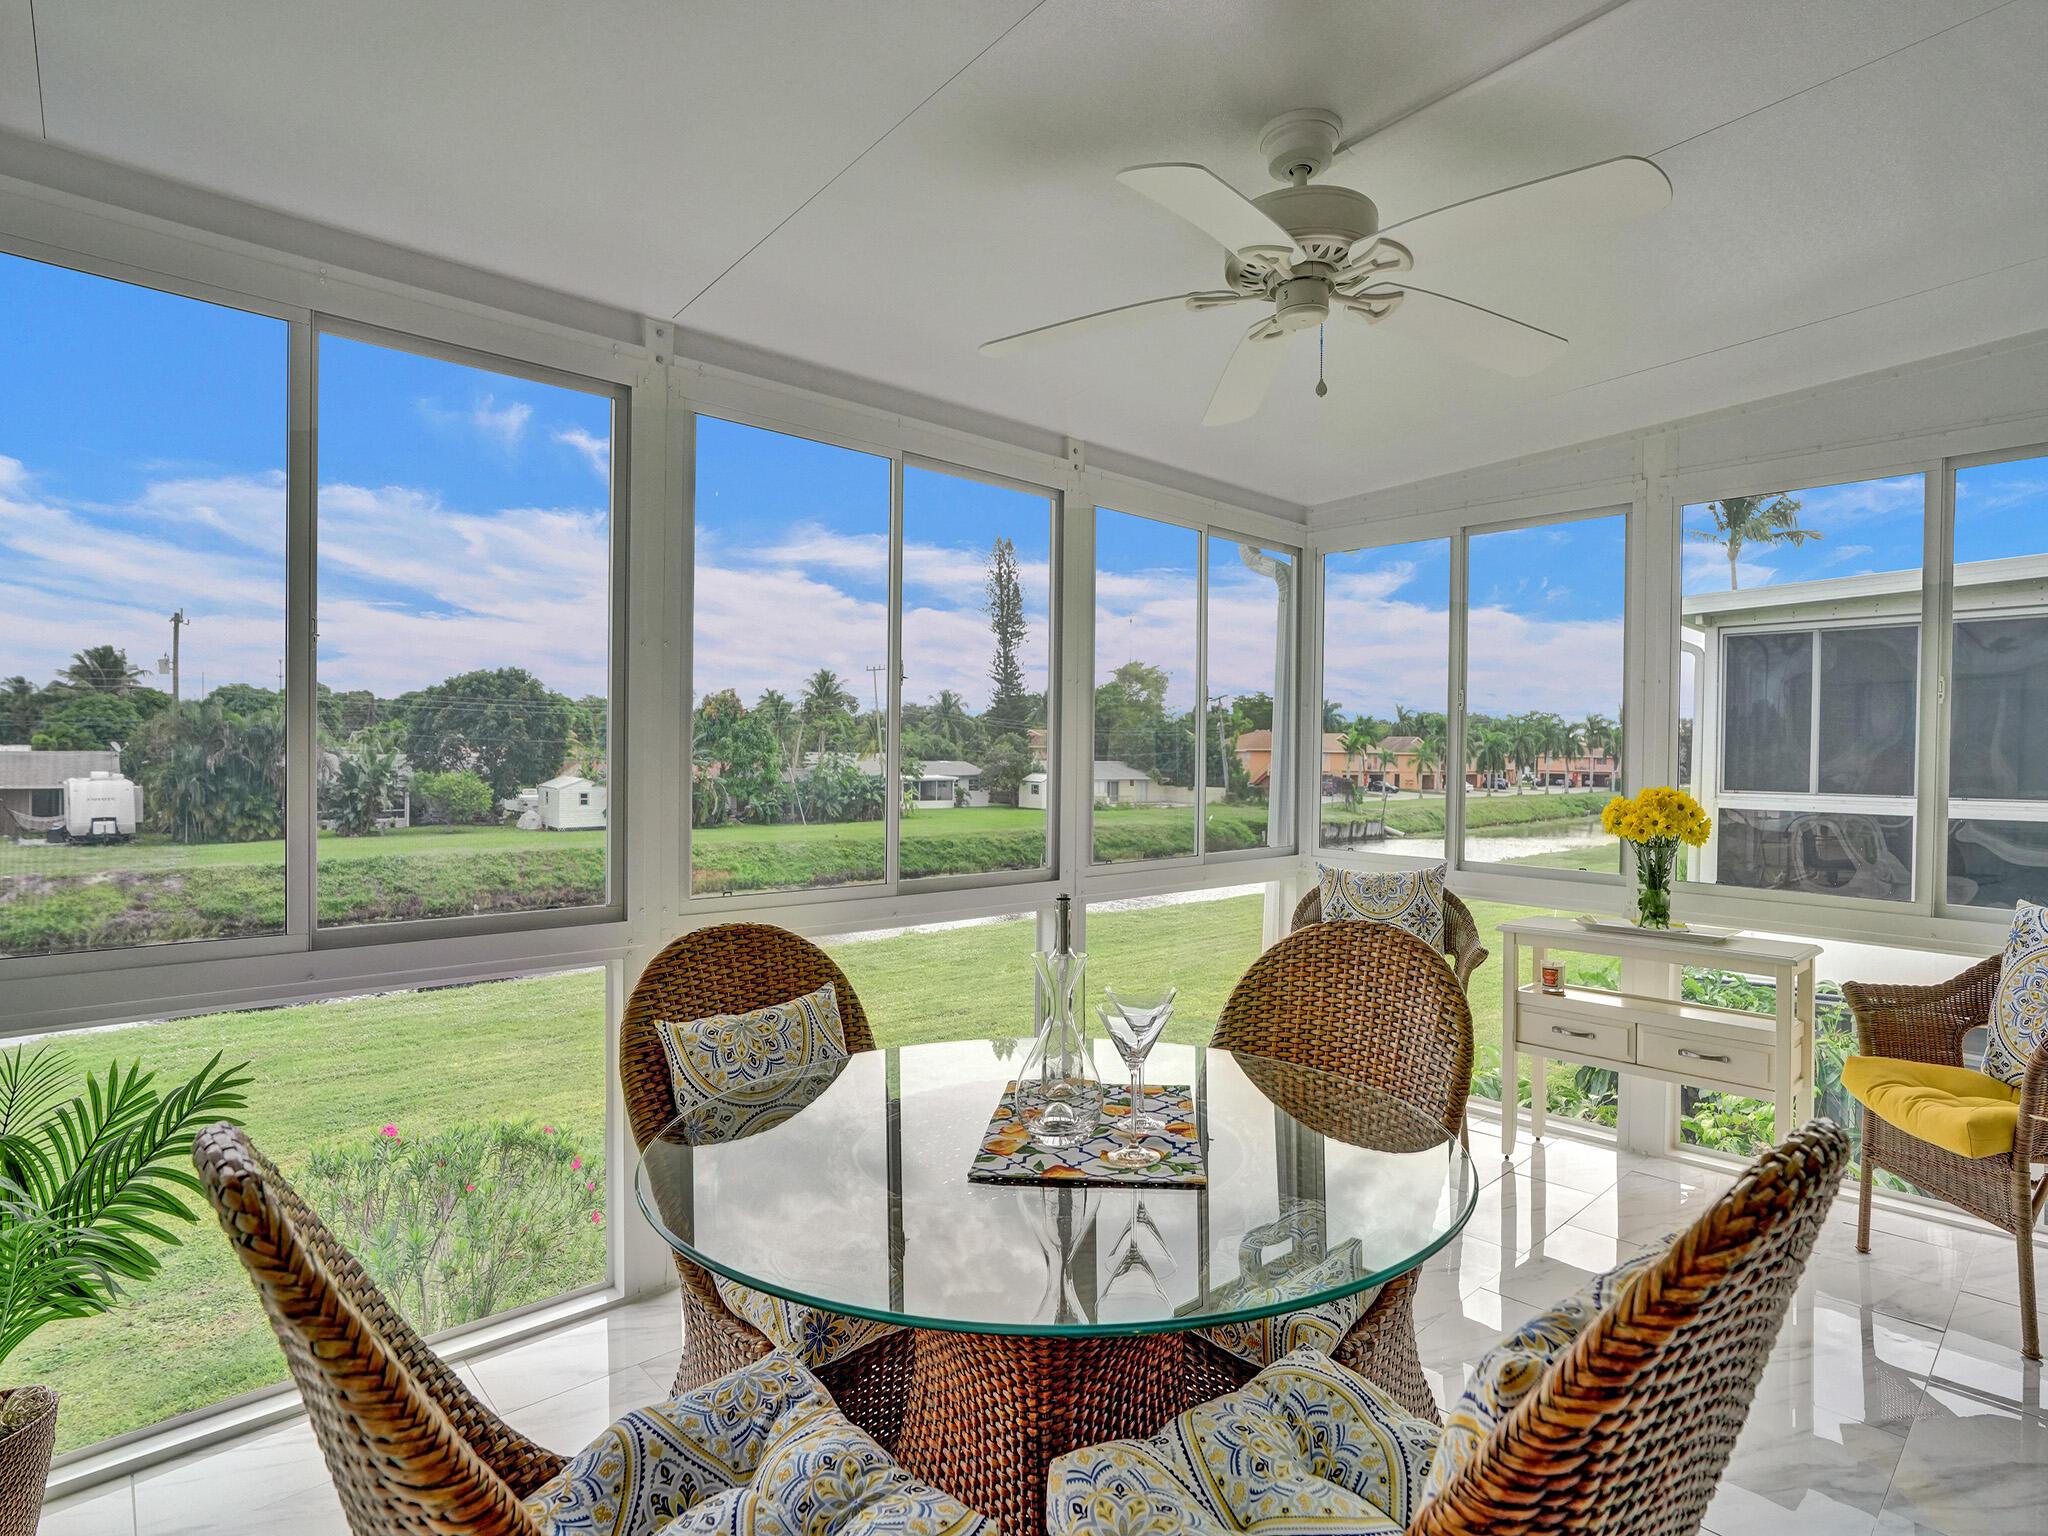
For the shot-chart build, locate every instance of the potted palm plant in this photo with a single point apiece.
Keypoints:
(88, 1181)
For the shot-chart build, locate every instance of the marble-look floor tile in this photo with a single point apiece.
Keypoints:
(1448, 1345)
(1926, 1301)
(1515, 1212)
(1837, 1367)
(1473, 1260)
(1781, 1480)
(1566, 1164)
(1895, 1253)
(108, 1510)
(1981, 1476)
(534, 1369)
(273, 1481)
(1645, 1208)
(570, 1420)
(1979, 1369)
(1557, 1265)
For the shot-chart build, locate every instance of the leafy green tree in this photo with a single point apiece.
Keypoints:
(827, 708)
(245, 698)
(589, 738)
(1763, 521)
(1009, 709)
(21, 706)
(1004, 763)
(366, 779)
(1130, 716)
(210, 776)
(1526, 736)
(782, 720)
(1255, 712)
(101, 669)
(457, 798)
(90, 722)
(506, 726)
(737, 763)
(951, 724)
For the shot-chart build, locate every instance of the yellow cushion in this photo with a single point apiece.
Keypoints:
(1961, 1111)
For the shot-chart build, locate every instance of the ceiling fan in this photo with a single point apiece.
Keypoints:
(1306, 250)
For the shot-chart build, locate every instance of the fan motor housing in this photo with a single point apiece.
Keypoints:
(1301, 302)
(1326, 221)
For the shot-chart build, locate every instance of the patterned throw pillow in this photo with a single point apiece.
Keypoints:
(740, 1055)
(2019, 1009)
(1412, 900)
(1322, 1328)
(820, 1474)
(1307, 1446)
(1509, 1371)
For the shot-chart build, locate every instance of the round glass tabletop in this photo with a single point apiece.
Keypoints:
(846, 1187)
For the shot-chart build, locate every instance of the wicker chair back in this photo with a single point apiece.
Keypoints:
(1461, 931)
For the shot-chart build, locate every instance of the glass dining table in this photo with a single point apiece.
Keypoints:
(1042, 1317)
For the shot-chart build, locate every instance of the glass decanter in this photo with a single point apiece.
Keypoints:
(1059, 1095)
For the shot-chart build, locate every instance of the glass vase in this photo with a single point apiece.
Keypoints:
(1059, 1093)
(1653, 884)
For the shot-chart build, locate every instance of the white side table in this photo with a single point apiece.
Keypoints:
(1660, 1037)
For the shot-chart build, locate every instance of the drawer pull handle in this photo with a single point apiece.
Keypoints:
(1703, 1056)
(1576, 1034)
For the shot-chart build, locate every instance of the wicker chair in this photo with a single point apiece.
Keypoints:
(1373, 1004)
(409, 1448)
(1461, 933)
(730, 968)
(1629, 1432)
(1927, 1024)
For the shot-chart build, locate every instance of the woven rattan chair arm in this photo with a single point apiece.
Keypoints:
(1308, 910)
(1924, 1024)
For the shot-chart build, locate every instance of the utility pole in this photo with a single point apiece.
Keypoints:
(178, 621)
(875, 682)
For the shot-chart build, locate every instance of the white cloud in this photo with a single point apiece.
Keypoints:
(596, 451)
(502, 425)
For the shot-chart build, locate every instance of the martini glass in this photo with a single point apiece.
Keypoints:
(1134, 1025)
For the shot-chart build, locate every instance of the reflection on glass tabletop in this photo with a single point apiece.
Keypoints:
(846, 1187)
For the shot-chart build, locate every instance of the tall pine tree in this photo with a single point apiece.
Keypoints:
(1009, 709)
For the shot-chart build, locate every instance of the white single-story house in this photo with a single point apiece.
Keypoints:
(32, 785)
(1115, 784)
(571, 803)
(943, 781)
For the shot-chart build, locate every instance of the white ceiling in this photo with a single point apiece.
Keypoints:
(877, 188)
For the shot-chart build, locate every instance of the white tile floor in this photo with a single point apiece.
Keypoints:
(1896, 1402)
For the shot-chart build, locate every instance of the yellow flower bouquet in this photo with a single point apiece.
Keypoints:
(1655, 822)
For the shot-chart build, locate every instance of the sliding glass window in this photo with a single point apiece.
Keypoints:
(791, 657)
(1799, 731)
(1146, 771)
(142, 615)
(1543, 670)
(1997, 818)
(1386, 698)
(464, 599)
(977, 629)
(1248, 772)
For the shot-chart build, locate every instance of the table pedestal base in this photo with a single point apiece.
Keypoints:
(987, 1412)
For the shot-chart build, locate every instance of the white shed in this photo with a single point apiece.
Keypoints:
(570, 803)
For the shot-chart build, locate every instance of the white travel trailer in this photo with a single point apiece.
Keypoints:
(101, 808)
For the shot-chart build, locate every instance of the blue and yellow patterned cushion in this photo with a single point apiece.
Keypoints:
(1321, 1328)
(1306, 1446)
(2019, 1009)
(656, 1463)
(813, 1335)
(821, 1474)
(1412, 900)
(1510, 1370)
(739, 1056)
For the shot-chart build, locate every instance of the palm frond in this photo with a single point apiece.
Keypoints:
(30, 1082)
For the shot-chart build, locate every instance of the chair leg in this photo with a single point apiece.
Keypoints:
(2023, 1209)
(1863, 1205)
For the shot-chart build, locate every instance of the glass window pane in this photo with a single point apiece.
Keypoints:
(1145, 763)
(977, 622)
(142, 592)
(1768, 688)
(1998, 725)
(1544, 642)
(943, 981)
(1869, 719)
(465, 611)
(1387, 687)
(1199, 941)
(1803, 609)
(791, 651)
(1251, 675)
(498, 1085)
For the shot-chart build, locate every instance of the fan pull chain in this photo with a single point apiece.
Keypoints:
(1322, 388)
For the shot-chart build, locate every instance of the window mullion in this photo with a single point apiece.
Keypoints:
(1937, 640)
(301, 797)
(1454, 794)
(1201, 774)
(892, 745)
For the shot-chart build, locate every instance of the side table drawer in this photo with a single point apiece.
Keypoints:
(1610, 1039)
(1709, 1060)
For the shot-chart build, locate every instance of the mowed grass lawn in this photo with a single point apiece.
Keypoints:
(335, 1073)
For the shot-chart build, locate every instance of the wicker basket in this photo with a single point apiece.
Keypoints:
(24, 1469)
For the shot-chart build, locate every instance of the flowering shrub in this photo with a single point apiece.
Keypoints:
(466, 1220)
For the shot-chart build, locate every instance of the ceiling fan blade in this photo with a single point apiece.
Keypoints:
(1606, 193)
(1212, 205)
(1465, 330)
(1248, 375)
(1101, 320)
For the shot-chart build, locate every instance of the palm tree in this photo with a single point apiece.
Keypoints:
(18, 706)
(1573, 739)
(1526, 743)
(1429, 756)
(1599, 739)
(1333, 716)
(826, 706)
(1490, 749)
(951, 720)
(780, 716)
(1357, 743)
(1759, 520)
(101, 669)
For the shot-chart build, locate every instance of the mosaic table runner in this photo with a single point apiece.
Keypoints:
(1008, 1156)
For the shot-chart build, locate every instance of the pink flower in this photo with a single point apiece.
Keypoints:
(547, 1130)
(597, 1218)
(468, 1189)
(390, 1130)
(575, 1162)
(593, 1184)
